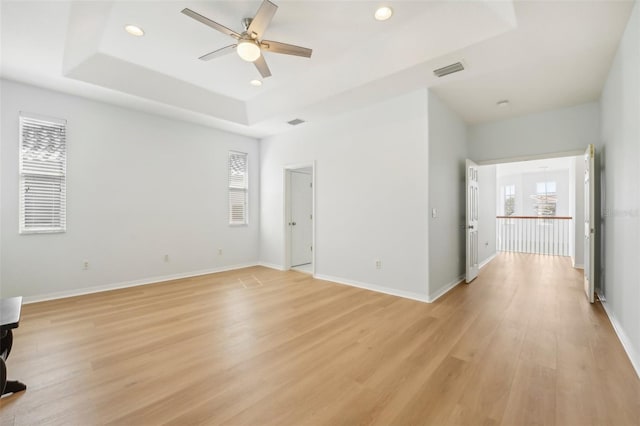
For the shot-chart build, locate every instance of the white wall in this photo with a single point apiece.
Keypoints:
(139, 187)
(487, 212)
(447, 155)
(620, 157)
(556, 131)
(371, 194)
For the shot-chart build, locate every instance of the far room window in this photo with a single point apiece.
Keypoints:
(546, 187)
(43, 169)
(545, 199)
(509, 200)
(238, 188)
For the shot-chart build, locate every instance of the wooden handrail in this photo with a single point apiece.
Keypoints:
(534, 217)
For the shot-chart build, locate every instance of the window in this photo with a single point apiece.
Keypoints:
(545, 200)
(509, 200)
(546, 187)
(238, 188)
(43, 182)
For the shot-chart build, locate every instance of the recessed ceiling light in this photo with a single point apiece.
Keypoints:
(383, 13)
(256, 83)
(502, 104)
(134, 30)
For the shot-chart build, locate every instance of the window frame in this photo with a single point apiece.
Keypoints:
(23, 229)
(234, 189)
(508, 192)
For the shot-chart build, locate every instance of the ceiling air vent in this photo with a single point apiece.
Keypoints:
(449, 69)
(296, 122)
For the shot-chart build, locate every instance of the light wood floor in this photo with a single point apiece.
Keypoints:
(520, 345)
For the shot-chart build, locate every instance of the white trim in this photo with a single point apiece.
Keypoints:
(546, 156)
(134, 283)
(40, 117)
(444, 290)
(272, 266)
(578, 266)
(373, 287)
(634, 357)
(487, 260)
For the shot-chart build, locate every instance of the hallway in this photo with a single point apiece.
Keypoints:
(560, 353)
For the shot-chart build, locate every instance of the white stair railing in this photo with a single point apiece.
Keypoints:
(534, 234)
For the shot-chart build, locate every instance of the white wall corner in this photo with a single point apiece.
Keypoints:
(634, 356)
(272, 266)
(444, 290)
(127, 284)
(373, 287)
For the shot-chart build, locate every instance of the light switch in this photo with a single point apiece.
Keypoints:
(434, 212)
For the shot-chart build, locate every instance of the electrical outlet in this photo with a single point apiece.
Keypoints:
(166, 257)
(219, 252)
(378, 264)
(85, 265)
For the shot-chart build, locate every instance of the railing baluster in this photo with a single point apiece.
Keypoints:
(547, 235)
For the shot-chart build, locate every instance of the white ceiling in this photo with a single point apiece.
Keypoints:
(537, 54)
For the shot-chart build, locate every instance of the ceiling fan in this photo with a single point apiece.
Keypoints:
(249, 44)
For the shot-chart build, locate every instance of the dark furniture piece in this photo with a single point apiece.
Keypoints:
(9, 319)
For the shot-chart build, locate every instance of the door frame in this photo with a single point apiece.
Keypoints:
(286, 229)
(597, 263)
(590, 277)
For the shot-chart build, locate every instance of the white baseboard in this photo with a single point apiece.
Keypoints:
(444, 290)
(272, 266)
(634, 357)
(134, 283)
(373, 287)
(487, 260)
(578, 266)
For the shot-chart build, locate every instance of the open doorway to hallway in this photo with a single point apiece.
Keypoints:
(534, 206)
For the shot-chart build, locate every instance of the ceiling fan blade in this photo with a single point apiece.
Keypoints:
(287, 49)
(217, 53)
(190, 13)
(262, 66)
(262, 19)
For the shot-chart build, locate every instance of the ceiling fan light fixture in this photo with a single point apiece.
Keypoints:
(256, 83)
(134, 30)
(383, 13)
(248, 50)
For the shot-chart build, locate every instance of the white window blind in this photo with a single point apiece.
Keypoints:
(238, 188)
(43, 165)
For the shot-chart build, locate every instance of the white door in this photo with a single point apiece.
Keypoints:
(589, 224)
(472, 221)
(301, 218)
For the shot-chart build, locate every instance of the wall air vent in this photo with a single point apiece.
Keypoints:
(449, 69)
(296, 122)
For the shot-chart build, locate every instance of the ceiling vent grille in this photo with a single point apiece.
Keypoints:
(449, 69)
(296, 122)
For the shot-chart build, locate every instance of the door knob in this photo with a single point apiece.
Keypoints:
(293, 223)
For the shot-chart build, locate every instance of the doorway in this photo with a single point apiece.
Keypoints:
(299, 218)
(537, 206)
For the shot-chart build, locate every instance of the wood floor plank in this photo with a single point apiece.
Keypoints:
(519, 345)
